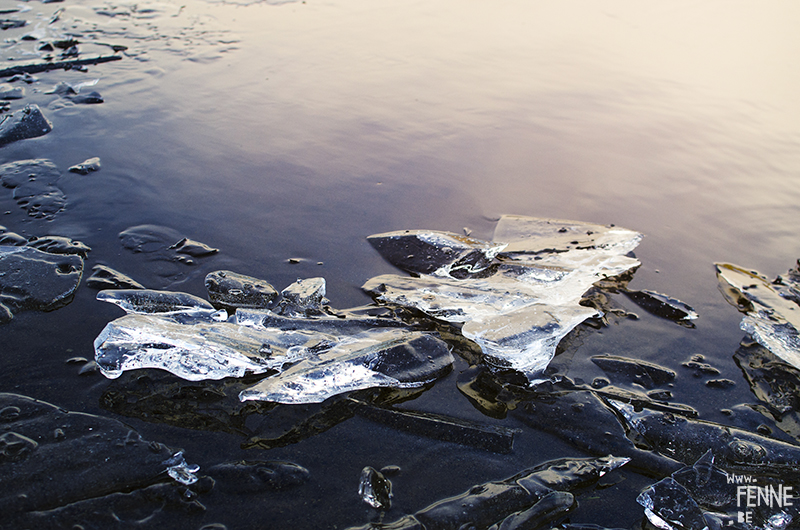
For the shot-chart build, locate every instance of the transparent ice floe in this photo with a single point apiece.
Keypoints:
(186, 336)
(772, 314)
(516, 296)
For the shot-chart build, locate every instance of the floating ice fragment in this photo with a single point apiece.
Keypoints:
(772, 313)
(303, 298)
(646, 374)
(375, 358)
(190, 345)
(258, 476)
(516, 296)
(375, 489)
(144, 301)
(180, 470)
(193, 248)
(87, 166)
(662, 305)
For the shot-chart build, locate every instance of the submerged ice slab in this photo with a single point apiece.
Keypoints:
(772, 310)
(516, 296)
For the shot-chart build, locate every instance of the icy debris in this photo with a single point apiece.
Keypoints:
(375, 358)
(34, 185)
(229, 290)
(539, 494)
(191, 345)
(180, 470)
(188, 337)
(34, 280)
(516, 296)
(28, 122)
(304, 297)
(375, 489)
(87, 166)
(144, 301)
(772, 313)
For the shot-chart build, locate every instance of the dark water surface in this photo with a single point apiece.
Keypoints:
(294, 130)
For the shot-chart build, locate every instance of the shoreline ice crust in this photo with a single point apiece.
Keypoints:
(518, 307)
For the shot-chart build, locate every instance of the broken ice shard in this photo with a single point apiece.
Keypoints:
(516, 296)
(190, 345)
(142, 301)
(34, 280)
(188, 337)
(374, 358)
(258, 476)
(375, 489)
(28, 122)
(772, 313)
(87, 166)
(535, 494)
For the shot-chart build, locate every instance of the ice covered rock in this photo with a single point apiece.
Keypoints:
(34, 280)
(687, 440)
(34, 185)
(28, 122)
(375, 358)
(772, 310)
(304, 297)
(8, 91)
(229, 290)
(516, 296)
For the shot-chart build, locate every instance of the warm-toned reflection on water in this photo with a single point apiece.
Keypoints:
(273, 131)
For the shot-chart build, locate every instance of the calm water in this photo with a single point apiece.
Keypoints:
(294, 130)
